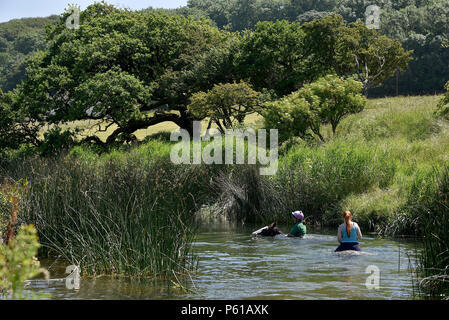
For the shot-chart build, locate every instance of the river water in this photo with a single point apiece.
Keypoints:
(234, 265)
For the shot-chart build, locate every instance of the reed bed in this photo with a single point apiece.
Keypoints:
(429, 206)
(117, 213)
(312, 179)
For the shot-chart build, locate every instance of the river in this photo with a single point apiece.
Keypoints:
(234, 265)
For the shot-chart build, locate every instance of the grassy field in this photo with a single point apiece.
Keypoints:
(415, 140)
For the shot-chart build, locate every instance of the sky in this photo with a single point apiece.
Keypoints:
(13, 9)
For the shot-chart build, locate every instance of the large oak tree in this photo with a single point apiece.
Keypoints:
(127, 70)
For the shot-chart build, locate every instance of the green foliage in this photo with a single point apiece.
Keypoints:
(18, 263)
(20, 39)
(273, 56)
(55, 141)
(27, 43)
(18, 252)
(240, 15)
(331, 53)
(336, 98)
(353, 50)
(118, 68)
(325, 101)
(3, 46)
(376, 57)
(92, 209)
(443, 104)
(292, 116)
(15, 130)
(420, 25)
(430, 203)
(226, 104)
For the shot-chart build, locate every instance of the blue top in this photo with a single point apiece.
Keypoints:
(352, 237)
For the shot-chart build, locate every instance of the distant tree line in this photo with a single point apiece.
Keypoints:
(19, 39)
(420, 25)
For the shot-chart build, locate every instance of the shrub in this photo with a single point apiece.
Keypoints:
(226, 104)
(326, 101)
(56, 140)
(443, 104)
(18, 263)
(337, 98)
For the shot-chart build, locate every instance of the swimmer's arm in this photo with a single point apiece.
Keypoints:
(339, 236)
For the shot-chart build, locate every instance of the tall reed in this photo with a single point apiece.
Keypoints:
(313, 179)
(116, 214)
(429, 205)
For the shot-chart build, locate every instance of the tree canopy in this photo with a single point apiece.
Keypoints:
(420, 25)
(129, 70)
(226, 104)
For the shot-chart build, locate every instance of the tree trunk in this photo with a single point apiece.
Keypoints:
(186, 122)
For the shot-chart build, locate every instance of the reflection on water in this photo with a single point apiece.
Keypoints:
(233, 265)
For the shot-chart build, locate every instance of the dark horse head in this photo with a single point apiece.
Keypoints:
(269, 231)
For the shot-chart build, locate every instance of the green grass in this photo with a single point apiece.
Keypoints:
(428, 207)
(416, 142)
(369, 167)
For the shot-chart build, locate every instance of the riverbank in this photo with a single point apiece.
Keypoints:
(131, 211)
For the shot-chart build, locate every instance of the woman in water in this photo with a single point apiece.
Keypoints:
(348, 234)
(299, 230)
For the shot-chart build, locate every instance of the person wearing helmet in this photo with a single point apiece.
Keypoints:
(299, 230)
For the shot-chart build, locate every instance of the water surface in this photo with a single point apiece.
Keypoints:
(234, 265)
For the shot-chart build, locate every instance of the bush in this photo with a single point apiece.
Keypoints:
(292, 117)
(18, 263)
(326, 101)
(443, 105)
(55, 141)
